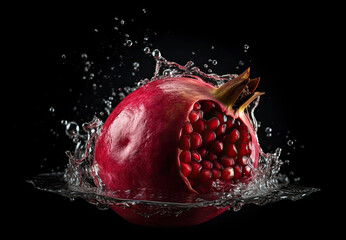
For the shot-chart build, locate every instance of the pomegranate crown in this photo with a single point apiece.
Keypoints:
(239, 92)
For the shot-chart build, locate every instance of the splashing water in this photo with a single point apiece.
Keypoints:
(80, 178)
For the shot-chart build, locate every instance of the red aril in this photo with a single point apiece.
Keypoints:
(180, 135)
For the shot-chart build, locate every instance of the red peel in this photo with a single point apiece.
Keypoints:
(181, 135)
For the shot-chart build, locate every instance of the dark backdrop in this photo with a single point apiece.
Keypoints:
(291, 47)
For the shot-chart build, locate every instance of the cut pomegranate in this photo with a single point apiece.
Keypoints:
(229, 147)
(180, 135)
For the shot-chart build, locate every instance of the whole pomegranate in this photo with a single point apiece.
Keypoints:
(179, 135)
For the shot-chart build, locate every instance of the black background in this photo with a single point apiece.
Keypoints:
(293, 48)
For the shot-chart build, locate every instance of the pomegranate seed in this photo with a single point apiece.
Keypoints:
(216, 174)
(202, 189)
(207, 164)
(195, 140)
(233, 136)
(213, 123)
(185, 156)
(187, 128)
(216, 147)
(227, 174)
(230, 122)
(200, 113)
(243, 149)
(193, 117)
(247, 171)
(231, 150)
(205, 175)
(202, 152)
(208, 136)
(243, 128)
(196, 168)
(197, 106)
(237, 123)
(222, 117)
(207, 106)
(244, 137)
(196, 156)
(217, 165)
(237, 172)
(211, 157)
(199, 125)
(185, 169)
(227, 161)
(184, 142)
(221, 130)
(243, 160)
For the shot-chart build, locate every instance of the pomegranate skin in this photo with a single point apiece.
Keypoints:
(138, 146)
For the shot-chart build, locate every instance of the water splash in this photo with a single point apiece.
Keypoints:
(80, 178)
(165, 68)
(80, 170)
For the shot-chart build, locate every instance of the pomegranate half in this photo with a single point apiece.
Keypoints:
(179, 135)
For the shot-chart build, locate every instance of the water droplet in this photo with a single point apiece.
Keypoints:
(241, 63)
(128, 43)
(144, 11)
(193, 53)
(296, 179)
(135, 66)
(72, 129)
(146, 50)
(63, 56)
(268, 130)
(189, 64)
(246, 47)
(259, 124)
(214, 62)
(96, 30)
(156, 54)
(290, 143)
(52, 109)
(205, 65)
(167, 73)
(122, 22)
(84, 56)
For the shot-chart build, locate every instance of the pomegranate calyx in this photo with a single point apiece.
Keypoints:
(238, 92)
(249, 100)
(229, 92)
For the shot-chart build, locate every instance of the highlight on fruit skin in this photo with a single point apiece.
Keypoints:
(180, 135)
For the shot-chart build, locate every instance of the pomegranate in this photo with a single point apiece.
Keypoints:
(180, 135)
